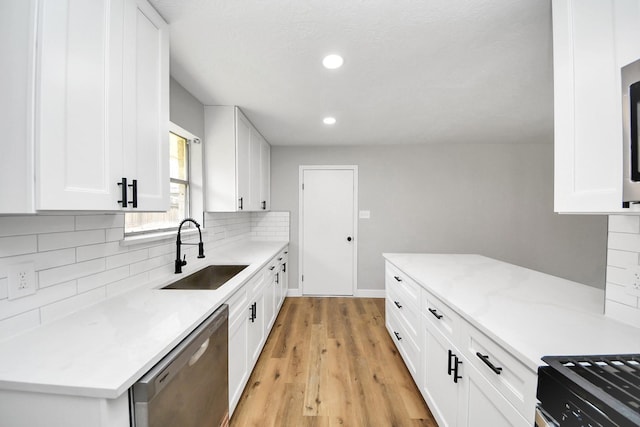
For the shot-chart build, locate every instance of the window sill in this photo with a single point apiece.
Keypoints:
(158, 237)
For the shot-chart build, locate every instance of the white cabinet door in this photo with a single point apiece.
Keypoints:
(256, 328)
(79, 105)
(102, 106)
(243, 159)
(254, 171)
(265, 175)
(592, 39)
(238, 359)
(437, 385)
(484, 405)
(146, 104)
(17, 50)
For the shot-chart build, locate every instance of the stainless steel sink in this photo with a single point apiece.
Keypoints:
(211, 277)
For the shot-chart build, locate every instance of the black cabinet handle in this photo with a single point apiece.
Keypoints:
(397, 278)
(277, 277)
(449, 364)
(435, 313)
(134, 191)
(251, 313)
(286, 252)
(349, 239)
(123, 190)
(452, 368)
(264, 205)
(397, 304)
(240, 206)
(272, 267)
(485, 359)
(457, 363)
(398, 337)
(280, 259)
(284, 267)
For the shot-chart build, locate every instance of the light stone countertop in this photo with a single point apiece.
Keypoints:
(102, 350)
(530, 314)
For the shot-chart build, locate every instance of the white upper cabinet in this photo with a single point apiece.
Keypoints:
(233, 162)
(265, 175)
(592, 40)
(17, 50)
(102, 106)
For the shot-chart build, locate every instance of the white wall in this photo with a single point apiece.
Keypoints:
(491, 199)
(623, 260)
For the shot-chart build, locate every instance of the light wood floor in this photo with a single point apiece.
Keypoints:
(329, 362)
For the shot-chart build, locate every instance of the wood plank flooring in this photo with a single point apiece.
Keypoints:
(331, 362)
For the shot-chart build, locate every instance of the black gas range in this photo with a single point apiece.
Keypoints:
(590, 391)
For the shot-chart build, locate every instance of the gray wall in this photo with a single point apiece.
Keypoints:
(491, 199)
(185, 110)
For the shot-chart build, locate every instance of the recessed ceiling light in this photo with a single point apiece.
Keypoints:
(329, 120)
(332, 61)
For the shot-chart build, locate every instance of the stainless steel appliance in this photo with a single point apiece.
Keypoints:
(630, 78)
(189, 386)
(589, 391)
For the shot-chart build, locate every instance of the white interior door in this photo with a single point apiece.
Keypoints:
(328, 229)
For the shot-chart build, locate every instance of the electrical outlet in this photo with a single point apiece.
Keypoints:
(22, 280)
(633, 287)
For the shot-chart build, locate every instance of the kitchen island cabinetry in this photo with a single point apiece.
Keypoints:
(233, 162)
(484, 326)
(592, 40)
(102, 107)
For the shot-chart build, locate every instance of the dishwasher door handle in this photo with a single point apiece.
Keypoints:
(198, 354)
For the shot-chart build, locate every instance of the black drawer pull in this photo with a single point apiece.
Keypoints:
(272, 267)
(397, 278)
(485, 359)
(449, 368)
(280, 259)
(398, 337)
(435, 313)
(397, 304)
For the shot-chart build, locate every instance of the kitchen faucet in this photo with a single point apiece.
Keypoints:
(180, 262)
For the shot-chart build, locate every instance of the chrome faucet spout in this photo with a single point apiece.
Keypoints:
(179, 263)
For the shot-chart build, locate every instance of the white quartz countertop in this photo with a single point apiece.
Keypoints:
(102, 350)
(530, 314)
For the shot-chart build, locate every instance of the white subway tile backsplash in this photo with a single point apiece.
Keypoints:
(623, 258)
(80, 260)
(41, 260)
(17, 245)
(35, 224)
(127, 284)
(9, 308)
(51, 241)
(126, 258)
(624, 223)
(114, 234)
(56, 275)
(93, 222)
(84, 253)
(101, 279)
(72, 304)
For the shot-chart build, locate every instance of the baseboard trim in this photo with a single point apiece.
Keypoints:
(360, 293)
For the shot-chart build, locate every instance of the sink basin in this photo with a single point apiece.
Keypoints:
(211, 277)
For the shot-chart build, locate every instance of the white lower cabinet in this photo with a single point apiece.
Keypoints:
(465, 377)
(252, 311)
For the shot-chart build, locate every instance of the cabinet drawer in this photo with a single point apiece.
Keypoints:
(237, 304)
(405, 310)
(402, 284)
(441, 316)
(404, 341)
(502, 370)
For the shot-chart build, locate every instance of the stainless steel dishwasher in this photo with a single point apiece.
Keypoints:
(189, 387)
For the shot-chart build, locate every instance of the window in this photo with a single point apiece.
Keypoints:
(179, 197)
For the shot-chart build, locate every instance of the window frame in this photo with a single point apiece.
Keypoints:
(191, 139)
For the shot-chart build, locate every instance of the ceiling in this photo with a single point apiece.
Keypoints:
(415, 71)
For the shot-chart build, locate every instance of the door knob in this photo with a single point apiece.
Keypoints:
(349, 239)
